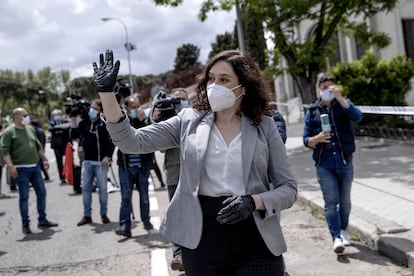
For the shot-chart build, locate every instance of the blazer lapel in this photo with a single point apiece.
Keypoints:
(249, 136)
(202, 138)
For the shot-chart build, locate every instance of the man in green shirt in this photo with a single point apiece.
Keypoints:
(22, 152)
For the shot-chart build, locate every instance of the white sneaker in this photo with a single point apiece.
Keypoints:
(338, 246)
(345, 238)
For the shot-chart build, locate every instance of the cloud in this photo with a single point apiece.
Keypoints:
(69, 34)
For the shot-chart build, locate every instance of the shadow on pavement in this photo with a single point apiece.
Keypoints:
(101, 228)
(45, 234)
(361, 253)
(152, 239)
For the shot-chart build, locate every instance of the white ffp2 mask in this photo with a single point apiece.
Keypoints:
(26, 120)
(221, 97)
(326, 95)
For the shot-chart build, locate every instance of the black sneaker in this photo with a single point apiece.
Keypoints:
(122, 231)
(148, 226)
(26, 229)
(46, 224)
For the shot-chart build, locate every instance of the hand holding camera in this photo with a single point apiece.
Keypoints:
(105, 76)
(165, 106)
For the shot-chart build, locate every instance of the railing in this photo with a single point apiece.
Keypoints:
(402, 134)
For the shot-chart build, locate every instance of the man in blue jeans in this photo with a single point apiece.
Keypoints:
(22, 152)
(96, 144)
(333, 147)
(134, 169)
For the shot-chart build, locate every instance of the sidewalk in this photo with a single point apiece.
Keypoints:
(382, 193)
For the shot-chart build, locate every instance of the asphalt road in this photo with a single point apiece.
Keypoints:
(95, 249)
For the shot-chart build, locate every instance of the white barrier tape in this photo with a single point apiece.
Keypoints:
(290, 104)
(391, 110)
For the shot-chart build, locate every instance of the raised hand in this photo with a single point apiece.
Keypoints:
(106, 74)
(237, 208)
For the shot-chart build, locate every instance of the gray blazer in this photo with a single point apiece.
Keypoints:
(264, 161)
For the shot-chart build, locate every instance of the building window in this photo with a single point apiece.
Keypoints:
(334, 45)
(360, 49)
(408, 31)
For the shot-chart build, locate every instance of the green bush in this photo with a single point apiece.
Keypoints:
(373, 81)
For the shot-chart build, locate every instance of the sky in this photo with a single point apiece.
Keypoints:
(70, 35)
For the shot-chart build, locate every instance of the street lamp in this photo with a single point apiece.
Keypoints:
(128, 46)
(240, 34)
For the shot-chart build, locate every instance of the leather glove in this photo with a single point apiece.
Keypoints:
(105, 75)
(238, 208)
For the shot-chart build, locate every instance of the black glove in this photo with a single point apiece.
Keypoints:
(105, 76)
(238, 208)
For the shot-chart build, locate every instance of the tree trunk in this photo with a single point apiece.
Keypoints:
(307, 88)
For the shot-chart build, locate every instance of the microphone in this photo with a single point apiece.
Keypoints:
(326, 126)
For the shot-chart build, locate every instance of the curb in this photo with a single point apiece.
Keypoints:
(379, 235)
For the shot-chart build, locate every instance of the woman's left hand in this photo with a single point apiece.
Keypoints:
(238, 208)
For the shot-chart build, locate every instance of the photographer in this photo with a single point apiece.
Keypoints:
(165, 108)
(98, 149)
(59, 129)
(333, 147)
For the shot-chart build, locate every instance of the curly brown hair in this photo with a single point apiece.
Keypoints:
(255, 102)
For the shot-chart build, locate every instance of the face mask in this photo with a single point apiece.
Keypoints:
(184, 104)
(133, 113)
(326, 95)
(93, 114)
(26, 120)
(57, 118)
(221, 97)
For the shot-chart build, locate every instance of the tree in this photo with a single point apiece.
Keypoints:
(9, 86)
(187, 56)
(146, 83)
(372, 81)
(85, 87)
(223, 42)
(254, 38)
(306, 58)
(15, 91)
(64, 81)
(39, 92)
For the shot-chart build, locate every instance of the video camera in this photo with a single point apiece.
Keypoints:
(122, 89)
(167, 106)
(77, 105)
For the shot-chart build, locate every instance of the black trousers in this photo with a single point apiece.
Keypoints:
(59, 154)
(229, 250)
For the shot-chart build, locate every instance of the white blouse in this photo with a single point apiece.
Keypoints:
(222, 174)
